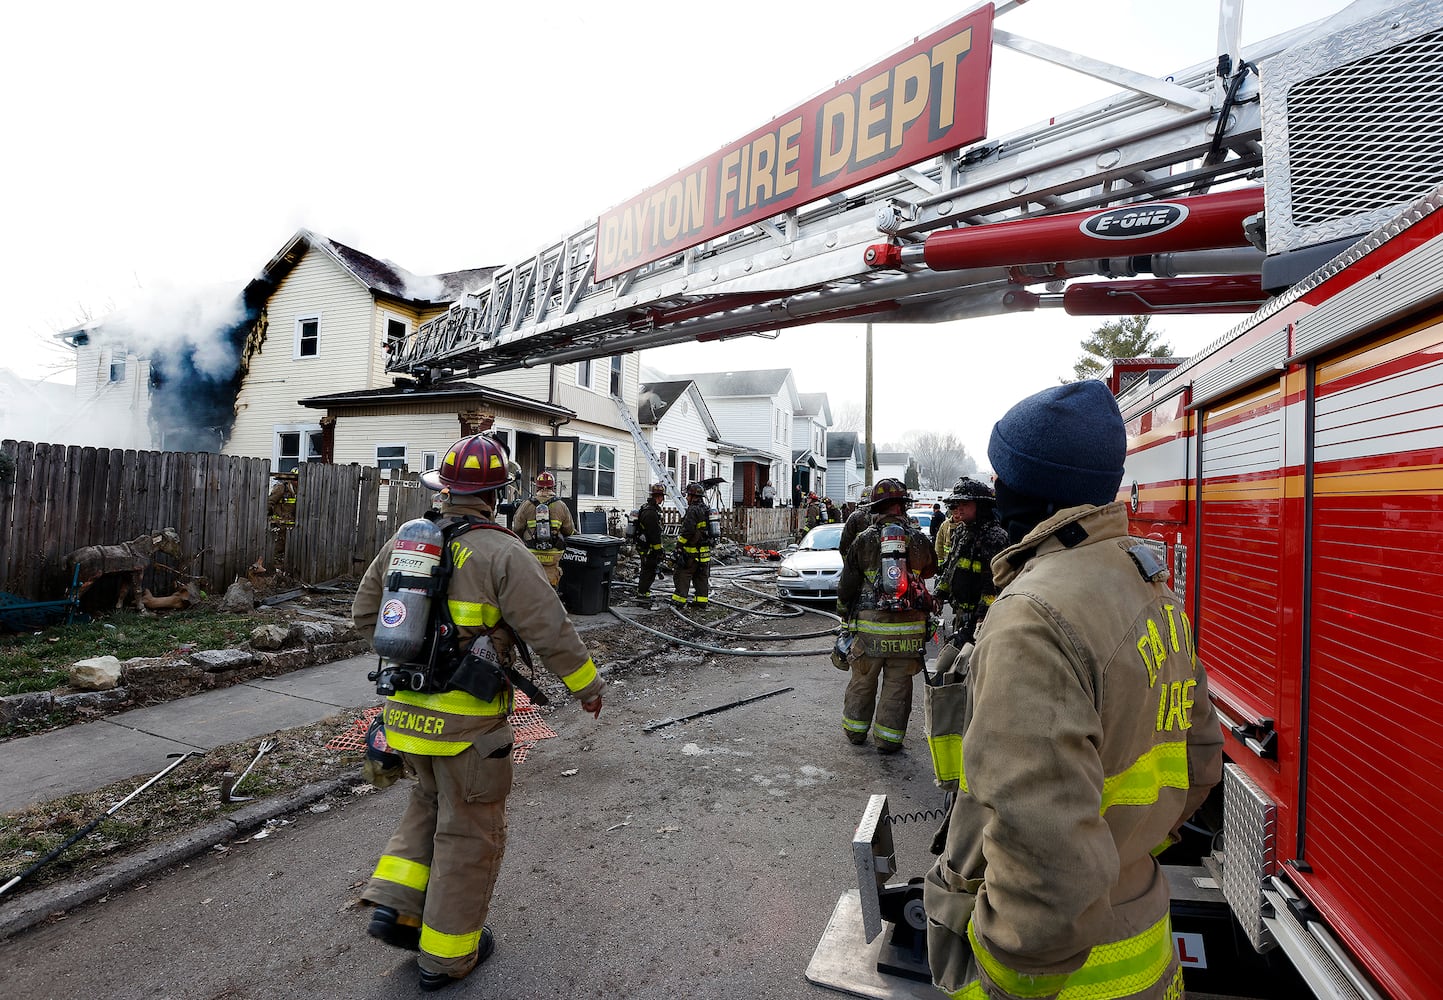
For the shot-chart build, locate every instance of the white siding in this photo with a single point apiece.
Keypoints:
(276, 379)
(108, 414)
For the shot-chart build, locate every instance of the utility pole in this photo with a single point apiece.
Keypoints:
(867, 451)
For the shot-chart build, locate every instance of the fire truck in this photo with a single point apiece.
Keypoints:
(1290, 475)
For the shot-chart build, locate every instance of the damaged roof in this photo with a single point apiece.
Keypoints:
(382, 277)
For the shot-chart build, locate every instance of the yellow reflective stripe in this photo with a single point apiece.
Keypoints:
(581, 678)
(411, 874)
(702, 600)
(947, 757)
(433, 942)
(1115, 969)
(657, 545)
(1164, 766)
(972, 991)
(888, 628)
(407, 743)
(473, 615)
(855, 725)
(454, 702)
(890, 735)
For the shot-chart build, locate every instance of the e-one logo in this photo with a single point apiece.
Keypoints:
(1134, 221)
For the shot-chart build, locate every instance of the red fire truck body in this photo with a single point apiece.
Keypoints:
(1292, 476)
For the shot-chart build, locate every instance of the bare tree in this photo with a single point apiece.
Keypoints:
(940, 458)
(849, 416)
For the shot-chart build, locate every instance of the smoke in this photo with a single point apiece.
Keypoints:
(169, 322)
(425, 287)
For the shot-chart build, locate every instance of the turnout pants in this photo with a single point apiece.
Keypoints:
(696, 571)
(550, 563)
(441, 863)
(649, 560)
(885, 713)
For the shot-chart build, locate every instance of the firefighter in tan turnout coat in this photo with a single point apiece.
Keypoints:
(547, 539)
(1087, 736)
(432, 887)
(885, 605)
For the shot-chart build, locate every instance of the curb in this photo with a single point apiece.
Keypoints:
(43, 903)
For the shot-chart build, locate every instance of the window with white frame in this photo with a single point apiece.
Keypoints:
(308, 336)
(391, 456)
(616, 375)
(595, 470)
(396, 331)
(692, 472)
(295, 444)
(583, 373)
(671, 460)
(117, 369)
(501, 437)
(429, 460)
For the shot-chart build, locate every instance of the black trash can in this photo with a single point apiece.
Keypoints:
(586, 569)
(592, 522)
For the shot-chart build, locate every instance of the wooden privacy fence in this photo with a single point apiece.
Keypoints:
(748, 525)
(56, 498)
(344, 514)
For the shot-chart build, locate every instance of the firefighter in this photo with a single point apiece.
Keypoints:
(830, 514)
(648, 540)
(693, 550)
(857, 521)
(814, 512)
(431, 889)
(1087, 735)
(547, 541)
(885, 604)
(974, 537)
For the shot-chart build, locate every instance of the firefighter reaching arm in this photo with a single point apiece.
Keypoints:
(649, 535)
(431, 890)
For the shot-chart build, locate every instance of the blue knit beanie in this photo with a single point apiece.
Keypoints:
(1065, 444)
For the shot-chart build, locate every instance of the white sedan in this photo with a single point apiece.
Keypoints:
(814, 568)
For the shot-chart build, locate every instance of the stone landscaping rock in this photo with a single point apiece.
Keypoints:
(269, 637)
(312, 633)
(98, 673)
(95, 700)
(285, 660)
(15, 707)
(240, 598)
(221, 660)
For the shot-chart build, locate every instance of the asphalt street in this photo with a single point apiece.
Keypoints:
(701, 860)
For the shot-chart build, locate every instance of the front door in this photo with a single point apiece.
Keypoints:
(559, 459)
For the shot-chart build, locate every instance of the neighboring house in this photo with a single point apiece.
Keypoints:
(893, 465)
(685, 437)
(330, 313)
(846, 466)
(754, 409)
(810, 423)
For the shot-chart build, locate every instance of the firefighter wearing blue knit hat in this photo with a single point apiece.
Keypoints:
(1058, 448)
(1079, 732)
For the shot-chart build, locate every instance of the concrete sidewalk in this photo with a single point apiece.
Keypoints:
(88, 756)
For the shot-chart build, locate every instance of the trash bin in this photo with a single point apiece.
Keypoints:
(586, 569)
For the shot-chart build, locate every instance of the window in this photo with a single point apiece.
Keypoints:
(616, 375)
(692, 473)
(583, 373)
(308, 336)
(295, 445)
(396, 330)
(429, 460)
(117, 370)
(671, 459)
(390, 456)
(501, 437)
(595, 470)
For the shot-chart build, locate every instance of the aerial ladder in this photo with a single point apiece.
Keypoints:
(969, 232)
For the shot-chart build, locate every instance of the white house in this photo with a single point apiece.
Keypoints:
(846, 466)
(316, 387)
(754, 409)
(685, 437)
(893, 465)
(810, 423)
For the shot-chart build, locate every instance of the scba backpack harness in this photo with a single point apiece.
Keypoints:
(416, 638)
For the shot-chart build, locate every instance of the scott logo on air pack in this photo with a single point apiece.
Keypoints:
(1134, 221)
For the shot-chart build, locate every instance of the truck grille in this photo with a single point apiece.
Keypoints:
(1351, 126)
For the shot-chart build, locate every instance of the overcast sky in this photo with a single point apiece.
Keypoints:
(162, 148)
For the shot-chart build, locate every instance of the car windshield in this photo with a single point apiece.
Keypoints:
(826, 536)
(922, 517)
